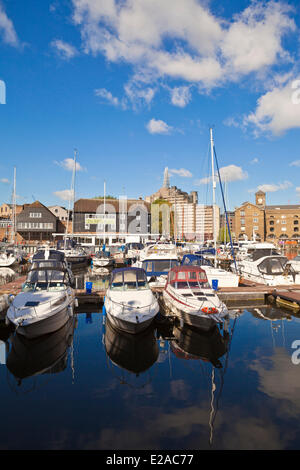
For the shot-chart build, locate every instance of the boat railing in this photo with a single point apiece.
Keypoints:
(129, 307)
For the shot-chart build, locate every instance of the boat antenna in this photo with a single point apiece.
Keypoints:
(225, 209)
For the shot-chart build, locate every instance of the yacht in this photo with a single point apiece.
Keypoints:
(75, 255)
(45, 303)
(102, 259)
(190, 298)
(129, 302)
(271, 270)
(157, 261)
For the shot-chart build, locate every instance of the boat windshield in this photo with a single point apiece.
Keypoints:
(45, 279)
(38, 264)
(188, 280)
(159, 265)
(273, 266)
(129, 280)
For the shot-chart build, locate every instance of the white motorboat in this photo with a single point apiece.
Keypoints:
(272, 270)
(295, 263)
(45, 304)
(157, 262)
(188, 296)
(132, 250)
(7, 259)
(129, 302)
(102, 259)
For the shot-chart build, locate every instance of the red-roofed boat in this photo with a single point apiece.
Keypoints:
(188, 296)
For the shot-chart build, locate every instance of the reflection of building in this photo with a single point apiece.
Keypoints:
(276, 222)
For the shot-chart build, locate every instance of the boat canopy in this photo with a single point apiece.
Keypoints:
(50, 254)
(133, 246)
(182, 277)
(48, 264)
(158, 267)
(262, 252)
(206, 251)
(273, 265)
(47, 277)
(195, 260)
(128, 279)
(102, 254)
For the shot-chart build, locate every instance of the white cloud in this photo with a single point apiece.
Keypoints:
(181, 172)
(295, 163)
(7, 29)
(156, 126)
(4, 180)
(181, 96)
(68, 164)
(65, 194)
(105, 94)
(227, 173)
(253, 40)
(255, 160)
(276, 112)
(65, 50)
(205, 49)
(271, 188)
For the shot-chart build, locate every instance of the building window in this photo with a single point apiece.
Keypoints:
(271, 229)
(35, 215)
(271, 222)
(255, 228)
(296, 229)
(296, 222)
(283, 229)
(283, 221)
(242, 221)
(243, 228)
(255, 219)
(242, 213)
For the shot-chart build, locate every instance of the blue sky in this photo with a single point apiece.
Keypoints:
(135, 86)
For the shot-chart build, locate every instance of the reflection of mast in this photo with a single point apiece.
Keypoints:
(71, 198)
(212, 410)
(214, 194)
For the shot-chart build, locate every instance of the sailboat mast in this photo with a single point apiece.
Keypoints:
(104, 196)
(14, 218)
(213, 193)
(73, 189)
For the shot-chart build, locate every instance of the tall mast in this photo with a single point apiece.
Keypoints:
(104, 196)
(213, 193)
(14, 217)
(73, 188)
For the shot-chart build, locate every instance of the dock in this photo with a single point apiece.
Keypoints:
(247, 294)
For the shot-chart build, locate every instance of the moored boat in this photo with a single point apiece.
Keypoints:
(45, 304)
(190, 298)
(129, 302)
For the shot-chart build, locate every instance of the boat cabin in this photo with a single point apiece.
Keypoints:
(187, 277)
(47, 278)
(273, 265)
(124, 279)
(195, 260)
(159, 267)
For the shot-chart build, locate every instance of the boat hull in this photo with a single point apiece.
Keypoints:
(129, 326)
(47, 325)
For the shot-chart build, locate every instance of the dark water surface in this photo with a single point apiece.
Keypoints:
(89, 387)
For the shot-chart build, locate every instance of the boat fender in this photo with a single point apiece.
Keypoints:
(11, 298)
(76, 302)
(137, 319)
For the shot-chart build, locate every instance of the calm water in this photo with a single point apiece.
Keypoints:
(89, 387)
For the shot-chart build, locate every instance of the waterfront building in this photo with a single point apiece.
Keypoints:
(60, 212)
(37, 223)
(96, 220)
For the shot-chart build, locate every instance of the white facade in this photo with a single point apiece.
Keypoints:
(60, 212)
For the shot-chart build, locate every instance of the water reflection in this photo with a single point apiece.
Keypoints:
(192, 344)
(47, 354)
(132, 353)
